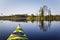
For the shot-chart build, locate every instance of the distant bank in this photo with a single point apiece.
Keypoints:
(31, 17)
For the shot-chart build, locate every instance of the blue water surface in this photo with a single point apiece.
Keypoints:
(34, 30)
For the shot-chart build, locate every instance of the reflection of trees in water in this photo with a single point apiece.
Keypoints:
(44, 25)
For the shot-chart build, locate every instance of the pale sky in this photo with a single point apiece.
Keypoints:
(10, 7)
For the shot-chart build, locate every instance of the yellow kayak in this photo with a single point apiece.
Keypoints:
(18, 34)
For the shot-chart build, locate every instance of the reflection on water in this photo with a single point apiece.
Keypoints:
(44, 25)
(36, 30)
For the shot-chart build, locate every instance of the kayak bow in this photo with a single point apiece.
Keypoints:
(18, 34)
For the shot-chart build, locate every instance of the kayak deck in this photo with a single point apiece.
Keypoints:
(18, 34)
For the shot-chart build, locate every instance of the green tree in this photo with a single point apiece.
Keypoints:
(32, 16)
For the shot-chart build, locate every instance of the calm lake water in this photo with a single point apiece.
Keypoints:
(43, 30)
